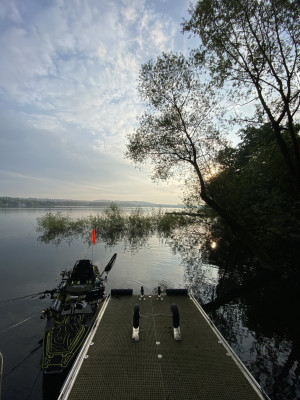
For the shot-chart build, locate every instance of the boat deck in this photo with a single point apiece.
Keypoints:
(199, 366)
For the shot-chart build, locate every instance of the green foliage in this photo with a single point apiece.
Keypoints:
(177, 130)
(177, 133)
(54, 223)
(167, 222)
(253, 47)
(253, 186)
(138, 222)
(113, 219)
(249, 42)
(111, 226)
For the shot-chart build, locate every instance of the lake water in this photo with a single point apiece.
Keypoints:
(29, 266)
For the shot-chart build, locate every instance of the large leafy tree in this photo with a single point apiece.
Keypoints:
(177, 132)
(253, 183)
(254, 46)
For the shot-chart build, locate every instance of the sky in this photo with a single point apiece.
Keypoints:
(68, 95)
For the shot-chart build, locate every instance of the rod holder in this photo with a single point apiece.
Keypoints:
(136, 323)
(175, 318)
(159, 293)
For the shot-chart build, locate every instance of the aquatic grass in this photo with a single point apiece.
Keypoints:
(111, 226)
(139, 222)
(166, 223)
(53, 223)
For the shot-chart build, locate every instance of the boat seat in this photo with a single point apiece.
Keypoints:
(82, 272)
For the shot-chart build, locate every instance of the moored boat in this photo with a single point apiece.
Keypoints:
(72, 314)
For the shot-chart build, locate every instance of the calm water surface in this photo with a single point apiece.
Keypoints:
(29, 266)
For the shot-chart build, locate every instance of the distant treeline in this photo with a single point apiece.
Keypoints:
(17, 202)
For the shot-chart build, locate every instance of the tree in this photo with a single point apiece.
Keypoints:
(254, 45)
(178, 132)
(253, 186)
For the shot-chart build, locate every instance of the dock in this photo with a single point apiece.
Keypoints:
(157, 347)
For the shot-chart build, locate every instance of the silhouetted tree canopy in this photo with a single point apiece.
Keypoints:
(253, 46)
(177, 132)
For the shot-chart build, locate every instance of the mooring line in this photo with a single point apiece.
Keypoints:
(21, 362)
(34, 383)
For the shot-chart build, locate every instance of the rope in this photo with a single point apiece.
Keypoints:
(21, 362)
(34, 383)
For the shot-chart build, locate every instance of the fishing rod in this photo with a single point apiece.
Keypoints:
(21, 298)
(19, 323)
(52, 292)
(64, 275)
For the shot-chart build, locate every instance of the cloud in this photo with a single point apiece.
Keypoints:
(69, 69)
(10, 12)
(68, 83)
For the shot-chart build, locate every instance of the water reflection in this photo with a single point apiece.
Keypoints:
(112, 226)
(259, 321)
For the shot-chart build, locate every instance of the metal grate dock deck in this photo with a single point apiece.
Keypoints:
(200, 366)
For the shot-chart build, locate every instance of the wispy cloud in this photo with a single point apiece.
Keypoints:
(69, 71)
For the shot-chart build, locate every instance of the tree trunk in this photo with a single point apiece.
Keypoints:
(294, 168)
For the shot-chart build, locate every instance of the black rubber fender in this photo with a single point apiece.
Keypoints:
(176, 292)
(175, 315)
(121, 292)
(136, 316)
